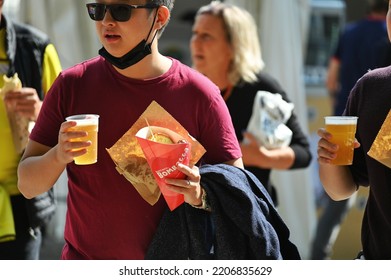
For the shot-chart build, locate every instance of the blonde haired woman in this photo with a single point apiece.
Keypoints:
(225, 48)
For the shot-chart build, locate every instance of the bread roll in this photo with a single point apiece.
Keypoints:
(161, 138)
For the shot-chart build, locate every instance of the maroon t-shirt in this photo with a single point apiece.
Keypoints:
(106, 217)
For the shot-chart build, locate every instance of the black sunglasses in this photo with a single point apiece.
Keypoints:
(119, 12)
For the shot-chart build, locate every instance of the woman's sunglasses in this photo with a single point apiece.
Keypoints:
(119, 12)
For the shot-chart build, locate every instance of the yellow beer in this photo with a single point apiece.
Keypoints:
(88, 123)
(343, 130)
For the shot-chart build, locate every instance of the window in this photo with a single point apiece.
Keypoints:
(327, 19)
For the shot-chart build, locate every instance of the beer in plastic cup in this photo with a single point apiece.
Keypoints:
(343, 130)
(88, 123)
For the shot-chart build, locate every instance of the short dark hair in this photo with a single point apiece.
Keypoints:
(168, 3)
(378, 6)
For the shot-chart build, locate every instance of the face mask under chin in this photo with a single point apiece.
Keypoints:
(132, 57)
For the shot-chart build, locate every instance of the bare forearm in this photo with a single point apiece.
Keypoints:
(337, 181)
(236, 162)
(37, 174)
(332, 79)
(282, 158)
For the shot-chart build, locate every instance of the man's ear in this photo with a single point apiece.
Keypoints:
(163, 17)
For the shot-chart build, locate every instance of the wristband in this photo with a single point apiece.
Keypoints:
(204, 203)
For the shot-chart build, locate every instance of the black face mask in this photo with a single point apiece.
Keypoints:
(132, 57)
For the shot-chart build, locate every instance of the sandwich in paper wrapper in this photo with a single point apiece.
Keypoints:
(20, 126)
(149, 152)
(381, 146)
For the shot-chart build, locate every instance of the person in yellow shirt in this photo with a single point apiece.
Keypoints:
(27, 52)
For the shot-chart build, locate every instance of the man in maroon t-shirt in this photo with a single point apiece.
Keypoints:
(107, 218)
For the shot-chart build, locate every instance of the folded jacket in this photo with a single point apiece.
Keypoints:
(243, 224)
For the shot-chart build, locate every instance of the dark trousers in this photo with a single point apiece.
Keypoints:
(28, 241)
(328, 227)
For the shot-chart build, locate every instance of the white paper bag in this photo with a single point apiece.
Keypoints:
(267, 122)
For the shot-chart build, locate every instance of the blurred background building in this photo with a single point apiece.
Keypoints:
(297, 38)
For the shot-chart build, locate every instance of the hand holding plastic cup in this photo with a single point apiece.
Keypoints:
(343, 130)
(88, 123)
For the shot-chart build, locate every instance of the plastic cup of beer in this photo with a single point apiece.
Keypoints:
(88, 123)
(343, 129)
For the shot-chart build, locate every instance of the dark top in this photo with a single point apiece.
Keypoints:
(363, 45)
(25, 47)
(371, 101)
(240, 105)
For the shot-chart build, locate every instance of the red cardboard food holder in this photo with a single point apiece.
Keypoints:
(163, 159)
